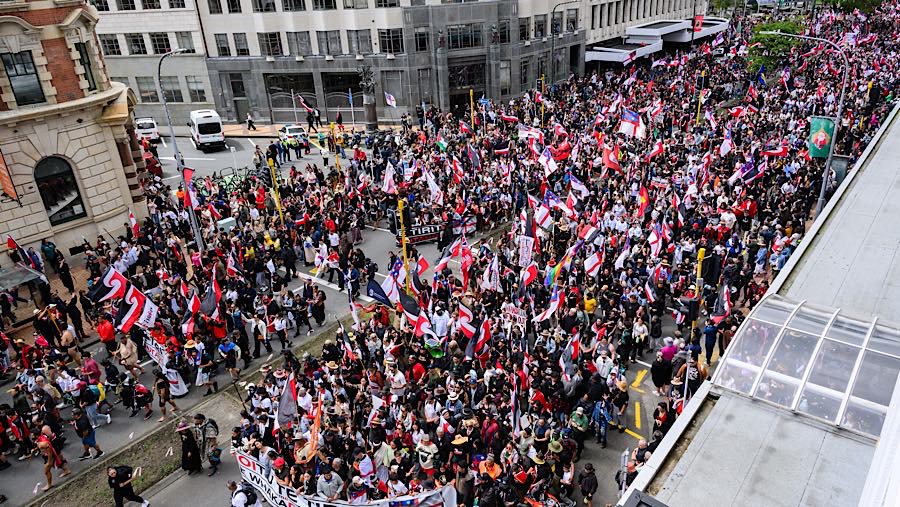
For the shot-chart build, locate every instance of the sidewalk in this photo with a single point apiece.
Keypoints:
(271, 130)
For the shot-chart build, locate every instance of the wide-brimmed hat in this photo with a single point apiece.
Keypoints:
(538, 460)
(190, 344)
(555, 446)
(459, 440)
(279, 373)
(622, 385)
(331, 365)
(183, 425)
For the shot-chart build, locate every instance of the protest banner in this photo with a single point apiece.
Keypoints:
(157, 352)
(253, 473)
(526, 250)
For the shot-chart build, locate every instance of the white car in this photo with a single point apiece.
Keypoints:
(146, 128)
(289, 132)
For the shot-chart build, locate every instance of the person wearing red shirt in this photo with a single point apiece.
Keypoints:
(107, 334)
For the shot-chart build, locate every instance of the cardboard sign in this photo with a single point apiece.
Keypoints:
(526, 250)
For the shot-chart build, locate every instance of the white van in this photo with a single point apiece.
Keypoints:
(206, 129)
(146, 128)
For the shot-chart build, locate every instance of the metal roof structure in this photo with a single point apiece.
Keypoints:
(815, 361)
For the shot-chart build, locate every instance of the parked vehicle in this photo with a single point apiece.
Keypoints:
(206, 129)
(146, 128)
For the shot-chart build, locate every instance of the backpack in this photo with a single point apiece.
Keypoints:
(215, 426)
(250, 493)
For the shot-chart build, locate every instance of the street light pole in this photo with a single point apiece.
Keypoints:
(179, 161)
(553, 36)
(840, 109)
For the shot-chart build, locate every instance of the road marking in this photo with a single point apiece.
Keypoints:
(131, 435)
(323, 283)
(633, 434)
(637, 415)
(169, 452)
(163, 141)
(171, 177)
(382, 230)
(36, 486)
(186, 158)
(643, 363)
(639, 378)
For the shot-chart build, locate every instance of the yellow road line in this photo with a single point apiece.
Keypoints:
(639, 378)
(637, 415)
(633, 434)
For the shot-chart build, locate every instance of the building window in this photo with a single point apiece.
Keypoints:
(323, 5)
(464, 36)
(294, 5)
(195, 88)
(160, 43)
(100, 5)
(23, 78)
(523, 29)
(263, 5)
(149, 5)
(124, 80)
(425, 85)
(392, 82)
(147, 89)
(503, 31)
(185, 40)
(557, 23)
(524, 71)
(109, 44)
(387, 3)
(237, 85)
(84, 58)
(571, 20)
(541, 66)
(241, 48)
(391, 40)
(329, 42)
(234, 6)
(171, 89)
(594, 10)
(222, 48)
(59, 190)
(505, 77)
(270, 43)
(136, 45)
(298, 43)
(176, 4)
(466, 76)
(540, 26)
(360, 41)
(215, 6)
(422, 34)
(125, 5)
(356, 4)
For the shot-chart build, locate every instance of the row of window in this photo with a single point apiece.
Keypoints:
(624, 11)
(25, 82)
(234, 6)
(359, 42)
(131, 5)
(170, 86)
(136, 43)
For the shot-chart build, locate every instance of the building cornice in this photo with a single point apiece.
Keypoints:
(25, 114)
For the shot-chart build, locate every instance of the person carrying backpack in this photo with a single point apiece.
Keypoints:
(243, 495)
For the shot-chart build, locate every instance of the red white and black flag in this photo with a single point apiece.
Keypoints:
(722, 308)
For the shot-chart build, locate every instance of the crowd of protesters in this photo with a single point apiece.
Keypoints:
(494, 374)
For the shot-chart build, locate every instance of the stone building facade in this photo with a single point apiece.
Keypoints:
(70, 159)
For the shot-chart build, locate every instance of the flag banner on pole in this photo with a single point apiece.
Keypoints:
(821, 132)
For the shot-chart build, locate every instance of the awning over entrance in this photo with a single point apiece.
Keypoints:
(711, 26)
(620, 52)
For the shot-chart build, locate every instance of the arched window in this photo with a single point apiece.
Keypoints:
(59, 190)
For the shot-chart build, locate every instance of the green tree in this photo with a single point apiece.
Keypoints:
(773, 48)
(850, 5)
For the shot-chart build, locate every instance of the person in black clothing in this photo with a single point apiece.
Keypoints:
(120, 479)
(88, 437)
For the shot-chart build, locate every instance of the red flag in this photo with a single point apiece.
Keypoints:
(188, 197)
(212, 211)
(135, 227)
(611, 158)
(529, 274)
(644, 200)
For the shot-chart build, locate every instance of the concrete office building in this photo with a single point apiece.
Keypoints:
(133, 34)
(69, 161)
(262, 51)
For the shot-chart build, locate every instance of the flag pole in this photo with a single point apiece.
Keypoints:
(542, 98)
(700, 96)
(472, 108)
(401, 203)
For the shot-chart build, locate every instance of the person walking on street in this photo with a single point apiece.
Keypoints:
(250, 124)
(85, 430)
(243, 495)
(47, 445)
(191, 460)
(120, 479)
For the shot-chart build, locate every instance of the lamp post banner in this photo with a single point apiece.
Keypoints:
(821, 135)
(253, 473)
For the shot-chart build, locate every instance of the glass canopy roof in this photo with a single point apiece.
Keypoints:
(815, 361)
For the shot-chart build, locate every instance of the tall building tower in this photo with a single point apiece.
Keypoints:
(69, 160)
